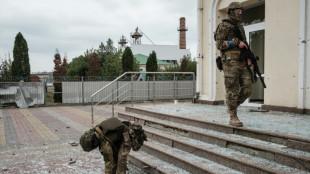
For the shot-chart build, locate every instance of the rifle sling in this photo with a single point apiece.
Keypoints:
(238, 34)
(105, 137)
(236, 30)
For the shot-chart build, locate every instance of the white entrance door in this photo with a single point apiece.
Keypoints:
(255, 35)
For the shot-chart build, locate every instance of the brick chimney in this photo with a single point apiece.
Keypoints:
(182, 29)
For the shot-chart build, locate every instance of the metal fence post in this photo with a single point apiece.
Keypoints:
(117, 91)
(92, 112)
(82, 89)
(174, 88)
(194, 87)
(131, 90)
(177, 87)
(112, 102)
(153, 88)
(45, 91)
(148, 87)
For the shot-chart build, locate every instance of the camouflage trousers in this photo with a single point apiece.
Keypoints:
(238, 83)
(111, 165)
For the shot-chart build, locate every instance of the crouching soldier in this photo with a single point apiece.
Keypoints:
(115, 140)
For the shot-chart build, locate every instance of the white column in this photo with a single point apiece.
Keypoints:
(212, 51)
(199, 43)
(302, 56)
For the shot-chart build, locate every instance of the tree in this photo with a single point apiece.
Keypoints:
(192, 66)
(58, 73)
(20, 64)
(78, 66)
(110, 49)
(6, 68)
(57, 62)
(127, 60)
(172, 68)
(188, 65)
(101, 53)
(112, 66)
(151, 63)
(64, 66)
(136, 66)
(94, 66)
(103, 50)
(184, 64)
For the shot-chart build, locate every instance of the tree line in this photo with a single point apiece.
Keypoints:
(105, 61)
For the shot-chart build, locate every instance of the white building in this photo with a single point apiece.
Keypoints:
(169, 53)
(278, 31)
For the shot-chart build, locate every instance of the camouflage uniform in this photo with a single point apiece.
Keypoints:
(114, 145)
(238, 82)
(117, 141)
(112, 165)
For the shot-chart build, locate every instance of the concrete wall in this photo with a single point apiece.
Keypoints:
(24, 94)
(281, 52)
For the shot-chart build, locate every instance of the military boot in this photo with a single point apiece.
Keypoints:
(234, 121)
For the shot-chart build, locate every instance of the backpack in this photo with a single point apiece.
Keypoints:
(89, 141)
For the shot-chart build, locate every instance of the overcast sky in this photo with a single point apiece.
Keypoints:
(72, 26)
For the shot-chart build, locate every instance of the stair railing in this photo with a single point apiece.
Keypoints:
(123, 90)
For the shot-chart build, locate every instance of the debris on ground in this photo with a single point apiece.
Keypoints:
(71, 161)
(258, 110)
(73, 143)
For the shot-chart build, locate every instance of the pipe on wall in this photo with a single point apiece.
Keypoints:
(302, 54)
(200, 45)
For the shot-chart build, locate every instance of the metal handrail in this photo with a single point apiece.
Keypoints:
(132, 73)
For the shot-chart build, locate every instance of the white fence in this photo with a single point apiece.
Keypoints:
(26, 94)
(80, 92)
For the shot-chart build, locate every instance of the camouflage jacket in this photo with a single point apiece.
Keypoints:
(225, 34)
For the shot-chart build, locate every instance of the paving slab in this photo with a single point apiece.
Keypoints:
(35, 140)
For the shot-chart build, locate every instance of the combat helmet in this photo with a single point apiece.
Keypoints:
(232, 6)
(137, 136)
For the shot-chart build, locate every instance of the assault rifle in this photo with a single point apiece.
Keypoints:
(248, 54)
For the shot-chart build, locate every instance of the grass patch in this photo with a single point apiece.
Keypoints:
(49, 98)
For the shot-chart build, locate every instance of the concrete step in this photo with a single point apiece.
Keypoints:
(270, 151)
(182, 159)
(225, 156)
(152, 164)
(292, 142)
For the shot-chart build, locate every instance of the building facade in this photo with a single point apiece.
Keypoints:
(142, 59)
(168, 53)
(278, 33)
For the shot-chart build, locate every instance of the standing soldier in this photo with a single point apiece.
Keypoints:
(230, 40)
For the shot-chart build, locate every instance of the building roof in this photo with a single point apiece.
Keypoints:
(143, 58)
(163, 52)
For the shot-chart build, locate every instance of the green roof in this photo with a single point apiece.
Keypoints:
(143, 58)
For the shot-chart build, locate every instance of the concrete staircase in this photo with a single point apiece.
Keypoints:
(184, 145)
